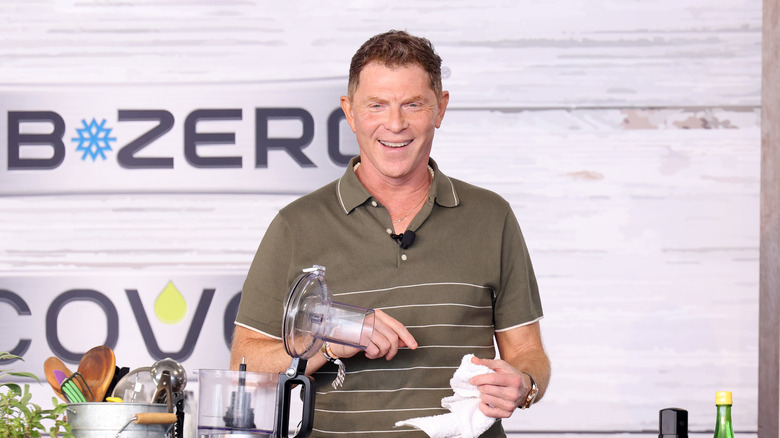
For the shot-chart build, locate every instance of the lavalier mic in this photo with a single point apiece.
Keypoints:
(405, 239)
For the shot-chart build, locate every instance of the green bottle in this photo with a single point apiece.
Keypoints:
(723, 428)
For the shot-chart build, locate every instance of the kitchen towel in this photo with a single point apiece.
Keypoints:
(465, 419)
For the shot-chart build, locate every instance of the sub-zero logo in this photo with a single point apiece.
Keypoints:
(46, 131)
(94, 139)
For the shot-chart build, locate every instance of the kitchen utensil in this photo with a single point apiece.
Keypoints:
(136, 386)
(125, 420)
(70, 390)
(50, 365)
(77, 393)
(118, 374)
(171, 378)
(72, 394)
(97, 366)
(236, 403)
(241, 402)
(311, 317)
(238, 414)
(177, 373)
(164, 393)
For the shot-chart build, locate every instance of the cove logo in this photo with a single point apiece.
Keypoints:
(168, 323)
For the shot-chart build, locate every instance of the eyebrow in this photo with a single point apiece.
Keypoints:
(418, 97)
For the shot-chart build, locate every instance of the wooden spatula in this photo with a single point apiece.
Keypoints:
(97, 366)
(49, 366)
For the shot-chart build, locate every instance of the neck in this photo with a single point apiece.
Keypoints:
(382, 186)
(403, 198)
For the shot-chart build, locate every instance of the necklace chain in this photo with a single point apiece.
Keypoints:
(427, 192)
(414, 208)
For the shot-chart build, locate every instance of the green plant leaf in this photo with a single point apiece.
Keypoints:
(13, 387)
(4, 355)
(24, 374)
(20, 418)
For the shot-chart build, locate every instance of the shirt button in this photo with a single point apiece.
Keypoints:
(403, 257)
(389, 231)
(374, 203)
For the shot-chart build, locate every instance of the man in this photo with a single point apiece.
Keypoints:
(462, 276)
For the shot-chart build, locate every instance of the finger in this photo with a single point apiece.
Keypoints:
(499, 379)
(495, 412)
(493, 364)
(509, 387)
(510, 395)
(501, 403)
(372, 351)
(386, 340)
(406, 338)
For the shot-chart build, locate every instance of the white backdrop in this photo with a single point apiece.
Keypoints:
(625, 134)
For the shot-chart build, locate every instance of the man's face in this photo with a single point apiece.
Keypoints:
(394, 113)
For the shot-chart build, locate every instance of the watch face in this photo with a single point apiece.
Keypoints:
(531, 394)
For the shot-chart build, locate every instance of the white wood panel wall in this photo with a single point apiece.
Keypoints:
(769, 296)
(624, 133)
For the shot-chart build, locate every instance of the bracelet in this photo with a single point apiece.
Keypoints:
(328, 353)
(341, 374)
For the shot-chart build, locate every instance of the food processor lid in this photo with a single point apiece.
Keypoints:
(306, 313)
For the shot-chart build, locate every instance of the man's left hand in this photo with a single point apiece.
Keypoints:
(502, 391)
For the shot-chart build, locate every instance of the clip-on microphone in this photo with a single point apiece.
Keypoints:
(405, 239)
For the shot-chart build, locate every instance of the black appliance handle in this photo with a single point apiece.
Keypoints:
(295, 376)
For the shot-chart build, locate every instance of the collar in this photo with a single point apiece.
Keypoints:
(352, 193)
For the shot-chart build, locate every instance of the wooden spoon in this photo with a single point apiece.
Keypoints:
(97, 366)
(49, 366)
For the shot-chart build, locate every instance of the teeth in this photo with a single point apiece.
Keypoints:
(394, 145)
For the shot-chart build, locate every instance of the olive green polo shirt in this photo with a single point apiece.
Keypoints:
(467, 275)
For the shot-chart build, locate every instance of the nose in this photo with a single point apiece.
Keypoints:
(396, 122)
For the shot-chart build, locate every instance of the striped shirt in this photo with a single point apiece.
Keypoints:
(467, 275)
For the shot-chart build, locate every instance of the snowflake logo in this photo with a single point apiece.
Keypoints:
(93, 139)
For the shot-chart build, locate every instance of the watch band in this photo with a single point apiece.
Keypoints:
(529, 399)
(341, 374)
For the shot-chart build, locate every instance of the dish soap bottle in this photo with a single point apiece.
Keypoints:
(723, 428)
(673, 423)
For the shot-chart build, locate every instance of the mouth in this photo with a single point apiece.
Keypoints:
(392, 144)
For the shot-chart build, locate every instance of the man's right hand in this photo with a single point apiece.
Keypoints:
(389, 335)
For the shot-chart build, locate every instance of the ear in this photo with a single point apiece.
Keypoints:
(442, 107)
(346, 106)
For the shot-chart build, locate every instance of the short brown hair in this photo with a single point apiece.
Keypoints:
(396, 48)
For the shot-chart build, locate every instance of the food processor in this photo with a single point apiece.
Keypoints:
(249, 404)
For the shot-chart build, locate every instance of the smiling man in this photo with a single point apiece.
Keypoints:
(397, 235)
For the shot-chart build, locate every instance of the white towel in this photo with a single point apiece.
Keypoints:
(465, 419)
